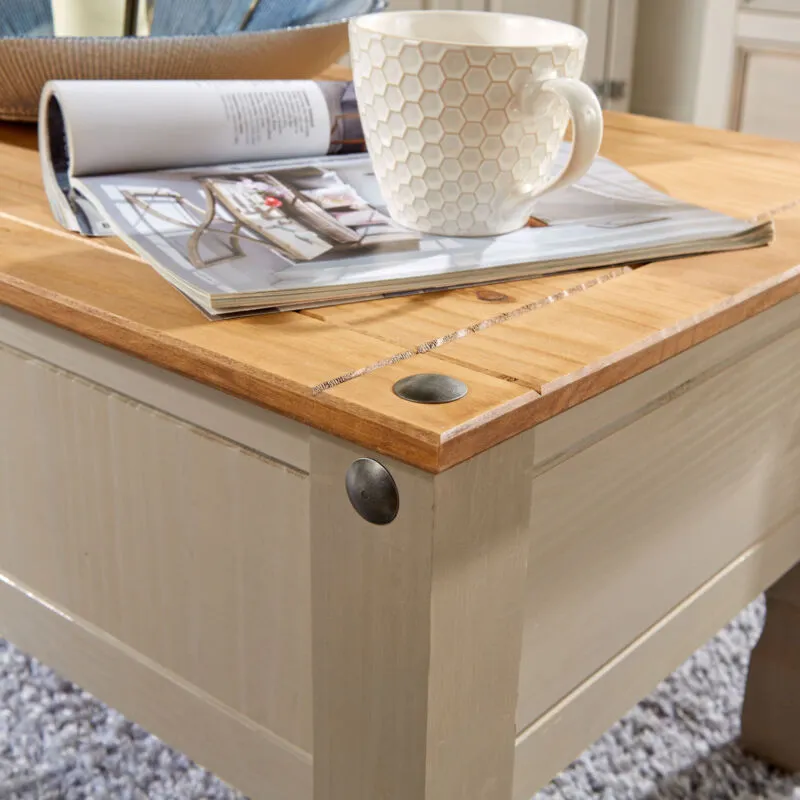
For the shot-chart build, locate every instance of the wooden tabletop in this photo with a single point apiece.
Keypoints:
(527, 350)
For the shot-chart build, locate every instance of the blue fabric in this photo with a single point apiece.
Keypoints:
(271, 14)
(191, 16)
(26, 18)
(187, 17)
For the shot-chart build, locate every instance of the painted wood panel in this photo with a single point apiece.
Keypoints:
(190, 549)
(629, 526)
(258, 763)
(778, 6)
(417, 629)
(770, 105)
(684, 60)
(245, 423)
(771, 710)
(619, 53)
(564, 732)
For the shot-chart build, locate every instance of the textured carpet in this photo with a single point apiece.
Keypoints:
(58, 743)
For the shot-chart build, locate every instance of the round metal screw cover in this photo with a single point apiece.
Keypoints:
(430, 387)
(372, 491)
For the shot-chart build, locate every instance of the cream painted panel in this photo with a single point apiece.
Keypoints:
(627, 528)
(770, 101)
(191, 550)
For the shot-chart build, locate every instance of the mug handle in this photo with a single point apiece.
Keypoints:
(587, 127)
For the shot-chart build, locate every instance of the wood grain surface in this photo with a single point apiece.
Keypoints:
(527, 350)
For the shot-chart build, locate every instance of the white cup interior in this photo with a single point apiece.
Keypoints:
(472, 28)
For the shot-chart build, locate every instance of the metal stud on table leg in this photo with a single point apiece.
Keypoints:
(372, 491)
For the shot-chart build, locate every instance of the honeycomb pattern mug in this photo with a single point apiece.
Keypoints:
(464, 112)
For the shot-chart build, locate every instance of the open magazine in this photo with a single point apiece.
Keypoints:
(251, 196)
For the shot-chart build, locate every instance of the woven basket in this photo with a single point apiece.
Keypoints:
(26, 64)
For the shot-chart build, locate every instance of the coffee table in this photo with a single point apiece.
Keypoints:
(619, 481)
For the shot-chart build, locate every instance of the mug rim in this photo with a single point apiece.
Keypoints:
(577, 36)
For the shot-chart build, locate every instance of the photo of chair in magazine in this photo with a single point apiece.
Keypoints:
(300, 232)
(301, 213)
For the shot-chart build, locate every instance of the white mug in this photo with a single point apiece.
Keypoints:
(464, 112)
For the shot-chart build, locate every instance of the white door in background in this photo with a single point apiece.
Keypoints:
(765, 99)
(610, 24)
(721, 63)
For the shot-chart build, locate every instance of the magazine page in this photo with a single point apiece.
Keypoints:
(295, 232)
(104, 127)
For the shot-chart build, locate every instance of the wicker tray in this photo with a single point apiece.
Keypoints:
(27, 63)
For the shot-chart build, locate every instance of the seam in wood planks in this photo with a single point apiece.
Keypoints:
(420, 349)
(772, 213)
(732, 302)
(88, 241)
(429, 345)
(433, 344)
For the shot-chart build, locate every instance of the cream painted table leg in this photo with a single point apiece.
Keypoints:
(417, 629)
(771, 713)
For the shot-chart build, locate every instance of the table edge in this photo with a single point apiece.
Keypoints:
(417, 447)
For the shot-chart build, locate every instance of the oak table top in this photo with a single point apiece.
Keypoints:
(527, 350)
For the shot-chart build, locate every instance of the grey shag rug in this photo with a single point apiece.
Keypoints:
(59, 743)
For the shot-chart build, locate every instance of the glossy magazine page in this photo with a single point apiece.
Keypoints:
(299, 232)
(106, 127)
